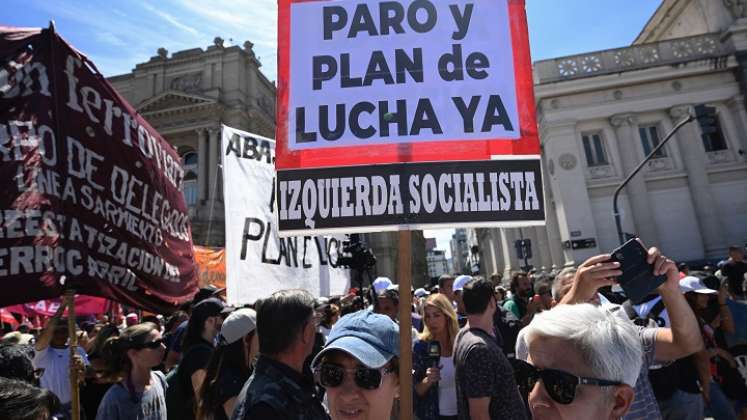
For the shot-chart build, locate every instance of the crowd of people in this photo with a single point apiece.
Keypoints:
(558, 345)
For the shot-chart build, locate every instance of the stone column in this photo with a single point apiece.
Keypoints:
(736, 105)
(214, 159)
(202, 169)
(626, 130)
(568, 187)
(507, 244)
(551, 221)
(706, 208)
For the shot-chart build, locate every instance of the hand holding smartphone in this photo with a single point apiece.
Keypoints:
(637, 279)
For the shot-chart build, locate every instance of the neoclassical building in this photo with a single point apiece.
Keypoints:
(187, 95)
(601, 113)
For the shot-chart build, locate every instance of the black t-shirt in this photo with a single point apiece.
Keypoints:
(734, 272)
(229, 386)
(196, 357)
(91, 395)
(482, 370)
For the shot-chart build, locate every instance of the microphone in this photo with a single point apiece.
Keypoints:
(434, 353)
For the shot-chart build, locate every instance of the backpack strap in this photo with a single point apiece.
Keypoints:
(654, 313)
(629, 310)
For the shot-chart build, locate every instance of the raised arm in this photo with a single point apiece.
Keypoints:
(45, 337)
(683, 337)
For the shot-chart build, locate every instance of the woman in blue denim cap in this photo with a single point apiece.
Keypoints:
(359, 367)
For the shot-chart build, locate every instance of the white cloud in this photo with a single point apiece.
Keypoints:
(253, 20)
(171, 19)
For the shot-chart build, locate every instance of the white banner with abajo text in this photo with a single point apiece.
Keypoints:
(258, 261)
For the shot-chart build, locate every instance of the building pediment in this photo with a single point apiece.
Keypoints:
(174, 101)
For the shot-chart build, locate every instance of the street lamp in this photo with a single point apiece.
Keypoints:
(706, 116)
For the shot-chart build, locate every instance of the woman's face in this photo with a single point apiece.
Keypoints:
(349, 402)
(435, 320)
(148, 357)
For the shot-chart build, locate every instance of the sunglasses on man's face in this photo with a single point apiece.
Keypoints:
(560, 386)
(331, 376)
(153, 345)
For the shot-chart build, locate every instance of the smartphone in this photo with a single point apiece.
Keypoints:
(637, 279)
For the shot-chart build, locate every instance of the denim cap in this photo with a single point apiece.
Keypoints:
(371, 338)
(381, 283)
(460, 281)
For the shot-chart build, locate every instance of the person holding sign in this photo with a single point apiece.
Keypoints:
(53, 355)
(359, 367)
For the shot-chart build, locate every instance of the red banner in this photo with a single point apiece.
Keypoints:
(7, 318)
(84, 306)
(91, 192)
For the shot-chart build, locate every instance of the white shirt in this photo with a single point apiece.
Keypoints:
(56, 365)
(644, 308)
(447, 398)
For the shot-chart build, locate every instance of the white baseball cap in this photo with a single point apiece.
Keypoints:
(381, 283)
(240, 323)
(460, 281)
(420, 292)
(694, 284)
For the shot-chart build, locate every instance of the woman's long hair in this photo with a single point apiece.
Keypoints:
(106, 332)
(114, 351)
(442, 303)
(225, 358)
(195, 328)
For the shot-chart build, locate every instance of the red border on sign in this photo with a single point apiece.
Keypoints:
(422, 151)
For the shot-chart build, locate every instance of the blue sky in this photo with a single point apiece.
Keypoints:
(118, 35)
(127, 32)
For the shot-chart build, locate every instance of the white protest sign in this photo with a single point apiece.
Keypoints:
(381, 72)
(258, 261)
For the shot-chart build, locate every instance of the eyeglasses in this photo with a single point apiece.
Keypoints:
(331, 376)
(150, 345)
(560, 385)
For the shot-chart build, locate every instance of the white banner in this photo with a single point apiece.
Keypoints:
(258, 261)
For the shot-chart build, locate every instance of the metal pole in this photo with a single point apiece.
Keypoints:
(404, 263)
(69, 301)
(615, 209)
(218, 169)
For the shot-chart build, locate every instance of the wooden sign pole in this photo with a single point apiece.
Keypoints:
(404, 276)
(72, 333)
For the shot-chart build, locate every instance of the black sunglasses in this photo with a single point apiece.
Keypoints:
(560, 385)
(150, 345)
(331, 376)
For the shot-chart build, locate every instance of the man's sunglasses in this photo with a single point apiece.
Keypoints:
(560, 385)
(150, 345)
(331, 376)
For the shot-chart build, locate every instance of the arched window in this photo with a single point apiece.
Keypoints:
(190, 189)
(189, 160)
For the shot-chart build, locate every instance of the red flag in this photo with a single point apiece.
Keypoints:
(91, 192)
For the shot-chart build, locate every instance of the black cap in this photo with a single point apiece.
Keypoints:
(206, 293)
(209, 307)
